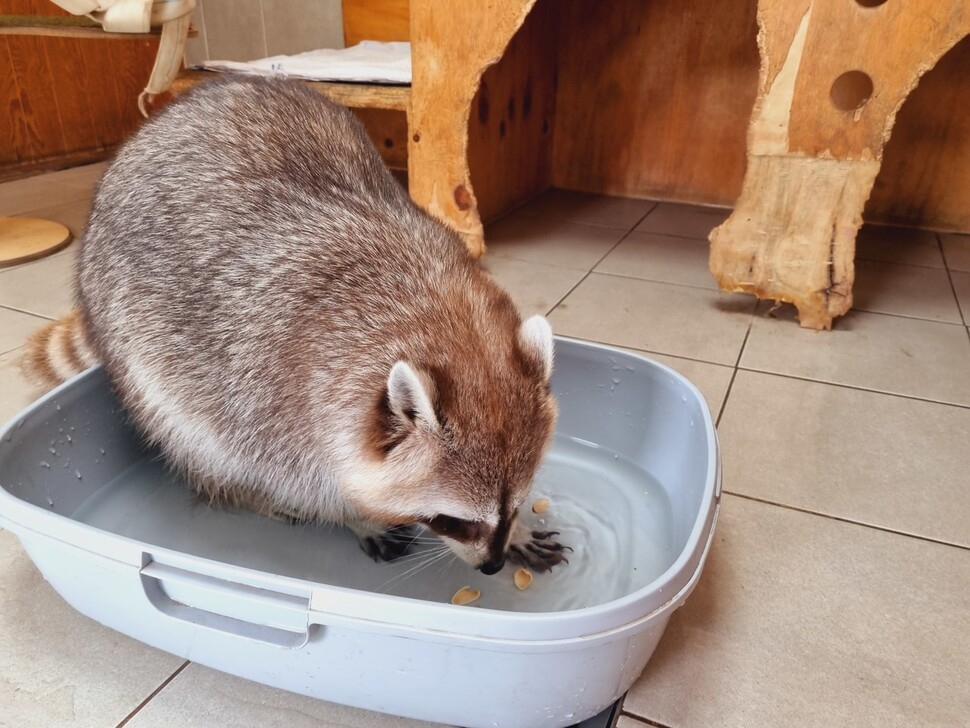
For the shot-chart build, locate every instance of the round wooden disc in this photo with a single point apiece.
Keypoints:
(29, 238)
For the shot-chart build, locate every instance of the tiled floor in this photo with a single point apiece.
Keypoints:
(838, 590)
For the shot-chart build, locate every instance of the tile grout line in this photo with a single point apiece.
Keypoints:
(734, 373)
(949, 275)
(154, 692)
(27, 313)
(911, 397)
(590, 271)
(643, 719)
(844, 519)
(907, 317)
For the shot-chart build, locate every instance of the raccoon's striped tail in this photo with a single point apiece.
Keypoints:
(57, 351)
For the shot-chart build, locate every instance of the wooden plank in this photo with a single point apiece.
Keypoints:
(924, 179)
(385, 20)
(510, 129)
(449, 53)
(14, 127)
(388, 129)
(360, 96)
(69, 81)
(41, 127)
(654, 98)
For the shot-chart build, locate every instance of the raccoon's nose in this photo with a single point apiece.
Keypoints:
(492, 567)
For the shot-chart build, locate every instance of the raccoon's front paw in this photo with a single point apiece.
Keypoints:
(538, 551)
(389, 545)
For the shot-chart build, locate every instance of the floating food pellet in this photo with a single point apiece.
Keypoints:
(465, 595)
(541, 505)
(522, 578)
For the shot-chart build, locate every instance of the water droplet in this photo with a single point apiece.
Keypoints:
(57, 406)
(69, 439)
(49, 501)
(78, 474)
(102, 450)
(45, 464)
(52, 451)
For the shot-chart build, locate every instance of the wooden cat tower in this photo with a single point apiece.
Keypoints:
(834, 74)
(23, 239)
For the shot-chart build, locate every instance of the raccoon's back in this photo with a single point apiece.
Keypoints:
(248, 227)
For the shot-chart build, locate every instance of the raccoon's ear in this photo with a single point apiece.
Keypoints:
(409, 395)
(535, 341)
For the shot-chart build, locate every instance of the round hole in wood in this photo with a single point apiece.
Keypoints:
(870, 3)
(851, 90)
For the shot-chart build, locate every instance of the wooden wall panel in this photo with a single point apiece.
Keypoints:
(388, 129)
(66, 100)
(925, 175)
(375, 20)
(654, 97)
(510, 131)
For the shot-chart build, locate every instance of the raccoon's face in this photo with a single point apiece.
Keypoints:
(459, 450)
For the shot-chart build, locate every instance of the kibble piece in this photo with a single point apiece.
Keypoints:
(522, 578)
(465, 595)
(541, 505)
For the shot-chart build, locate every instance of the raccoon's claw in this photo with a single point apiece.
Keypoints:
(392, 544)
(540, 553)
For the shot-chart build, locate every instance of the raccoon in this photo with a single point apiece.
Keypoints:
(299, 339)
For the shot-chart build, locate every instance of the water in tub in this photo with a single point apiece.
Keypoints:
(613, 514)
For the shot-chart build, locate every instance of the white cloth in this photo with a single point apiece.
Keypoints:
(367, 62)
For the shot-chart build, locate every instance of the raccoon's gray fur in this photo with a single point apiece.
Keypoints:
(300, 339)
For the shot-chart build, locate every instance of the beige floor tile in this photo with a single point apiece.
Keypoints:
(888, 461)
(202, 698)
(534, 287)
(84, 177)
(873, 351)
(899, 245)
(586, 208)
(59, 668)
(659, 317)
(44, 287)
(956, 248)
(626, 721)
(26, 195)
(904, 290)
(712, 380)
(800, 620)
(664, 258)
(686, 221)
(552, 242)
(15, 391)
(961, 283)
(72, 214)
(15, 327)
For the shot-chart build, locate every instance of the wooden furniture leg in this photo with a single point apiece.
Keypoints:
(834, 73)
(451, 46)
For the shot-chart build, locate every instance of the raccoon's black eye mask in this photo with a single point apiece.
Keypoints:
(457, 528)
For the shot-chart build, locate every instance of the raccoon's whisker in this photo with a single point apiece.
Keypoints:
(432, 557)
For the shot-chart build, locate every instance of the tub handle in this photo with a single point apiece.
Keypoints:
(243, 610)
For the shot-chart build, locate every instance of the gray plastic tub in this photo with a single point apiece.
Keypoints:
(634, 485)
